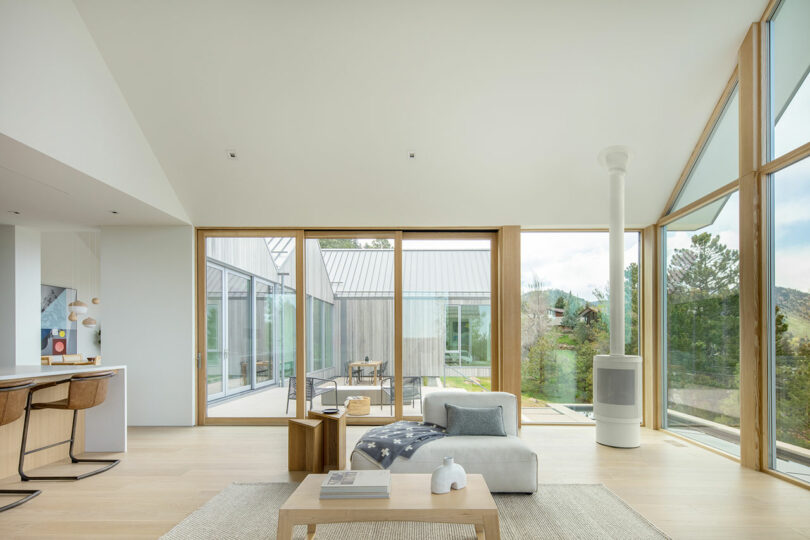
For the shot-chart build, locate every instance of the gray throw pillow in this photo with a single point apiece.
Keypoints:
(475, 420)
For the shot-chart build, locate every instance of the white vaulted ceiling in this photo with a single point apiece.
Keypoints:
(505, 104)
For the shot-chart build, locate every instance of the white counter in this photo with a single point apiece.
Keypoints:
(106, 424)
(28, 372)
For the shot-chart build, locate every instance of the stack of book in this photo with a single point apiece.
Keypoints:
(357, 485)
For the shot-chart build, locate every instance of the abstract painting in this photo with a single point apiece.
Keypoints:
(58, 334)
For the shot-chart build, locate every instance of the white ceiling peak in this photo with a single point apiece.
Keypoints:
(504, 103)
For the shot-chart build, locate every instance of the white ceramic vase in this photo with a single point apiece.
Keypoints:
(449, 475)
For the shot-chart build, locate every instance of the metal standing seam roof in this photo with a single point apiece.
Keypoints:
(370, 272)
(280, 248)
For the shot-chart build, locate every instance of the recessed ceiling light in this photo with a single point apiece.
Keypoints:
(231, 153)
(411, 155)
(113, 211)
(15, 212)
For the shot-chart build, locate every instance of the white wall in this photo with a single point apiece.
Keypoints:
(19, 296)
(28, 301)
(71, 259)
(7, 334)
(58, 96)
(147, 290)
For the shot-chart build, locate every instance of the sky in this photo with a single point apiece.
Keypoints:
(578, 262)
(791, 188)
(727, 225)
(445, 244)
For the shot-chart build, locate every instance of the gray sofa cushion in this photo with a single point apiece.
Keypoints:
(486, 421)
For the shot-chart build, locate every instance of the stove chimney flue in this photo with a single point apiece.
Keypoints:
(617, 376)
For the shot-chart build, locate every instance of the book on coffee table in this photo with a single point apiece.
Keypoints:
(356, 485)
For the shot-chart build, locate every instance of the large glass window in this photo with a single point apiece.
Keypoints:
(250, 326)
(467, 337)
(564, 319)
(446, 317)
(789, 68)
(240, 335)
(718, 162)
(214, 338)
(350, 322)
(265, 341)
(702, 325)
(790, 323)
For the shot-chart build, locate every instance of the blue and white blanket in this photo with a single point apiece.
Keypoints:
(385, 443)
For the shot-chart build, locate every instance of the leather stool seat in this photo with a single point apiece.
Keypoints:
(13, 398)
(85, 391)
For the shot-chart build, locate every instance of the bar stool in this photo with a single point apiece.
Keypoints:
(84, 391)
(13, 397)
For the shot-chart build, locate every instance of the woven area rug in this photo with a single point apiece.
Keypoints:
(581, 511)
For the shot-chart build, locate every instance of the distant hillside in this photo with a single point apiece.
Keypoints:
(794, 304)
(551, 295)
(796, 307)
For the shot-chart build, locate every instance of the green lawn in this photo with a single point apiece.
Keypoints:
(486, 382)
(565, 339)
(466, 384)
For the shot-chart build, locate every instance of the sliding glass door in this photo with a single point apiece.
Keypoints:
(343, 300)
(215, 340)
(264, 309)
(250, 327)
(446, 314)
(350, 322)
(239, 338)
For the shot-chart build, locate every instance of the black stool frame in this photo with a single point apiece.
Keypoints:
(73, 459)
(29, 493)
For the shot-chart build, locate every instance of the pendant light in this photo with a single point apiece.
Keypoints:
(77, 307)
(73, 317)
(89, 322)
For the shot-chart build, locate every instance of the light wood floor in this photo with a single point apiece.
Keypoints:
(169, 472)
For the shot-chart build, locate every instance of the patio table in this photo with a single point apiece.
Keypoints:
(375, 365)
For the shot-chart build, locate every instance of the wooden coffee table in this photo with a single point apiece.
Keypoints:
(411, 500)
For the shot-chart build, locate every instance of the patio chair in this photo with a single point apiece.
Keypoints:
(411, 390)
(360, 373)
(314, 387)
(354, 373)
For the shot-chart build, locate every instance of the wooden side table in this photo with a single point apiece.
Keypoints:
(305, 445)
(334, 439)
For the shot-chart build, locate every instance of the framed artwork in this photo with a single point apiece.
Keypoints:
(58, 334)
